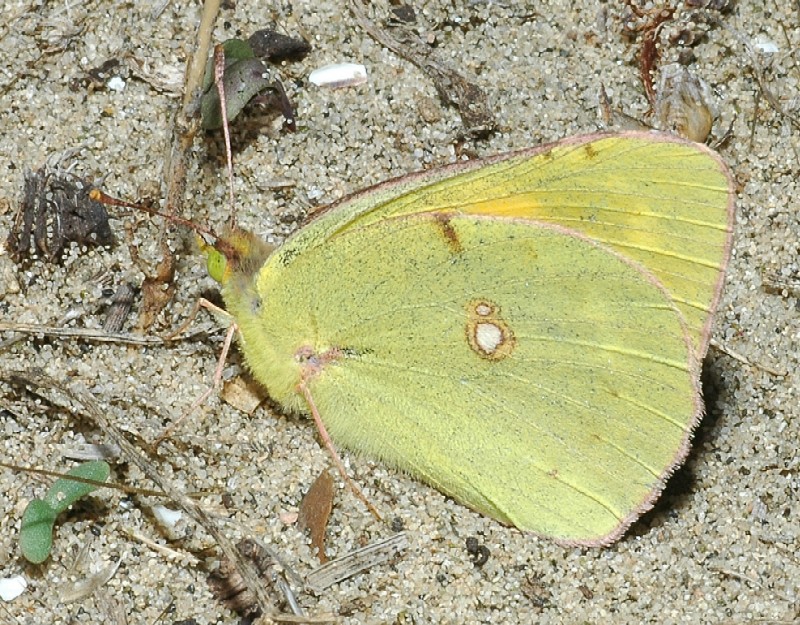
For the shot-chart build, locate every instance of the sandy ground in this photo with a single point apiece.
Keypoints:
(720, 545)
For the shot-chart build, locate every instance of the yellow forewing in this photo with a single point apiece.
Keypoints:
(531, 374)
(659, 200)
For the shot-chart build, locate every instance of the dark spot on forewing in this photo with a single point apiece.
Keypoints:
(449, 233)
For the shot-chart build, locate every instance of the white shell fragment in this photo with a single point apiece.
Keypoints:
(12, 587)
(339, 75)
(766, 46)
(167, 517)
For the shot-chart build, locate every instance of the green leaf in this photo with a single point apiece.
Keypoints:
(36, 534)
(65, 492)
(242, 81)
(235, 50)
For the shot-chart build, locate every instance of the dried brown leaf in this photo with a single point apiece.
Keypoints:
(315, 510)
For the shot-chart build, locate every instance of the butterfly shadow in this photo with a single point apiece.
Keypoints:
(681, 486)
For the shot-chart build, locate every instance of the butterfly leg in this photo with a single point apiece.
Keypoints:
(216, 311)
(326, 439)
(217, 380)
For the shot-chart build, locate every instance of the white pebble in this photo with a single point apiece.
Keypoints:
(116, 84)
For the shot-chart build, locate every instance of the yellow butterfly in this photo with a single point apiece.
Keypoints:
(524, 333)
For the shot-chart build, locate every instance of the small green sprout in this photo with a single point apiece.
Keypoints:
(244, 77)
(36, 534)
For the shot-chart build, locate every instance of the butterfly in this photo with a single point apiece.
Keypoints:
(524, 333)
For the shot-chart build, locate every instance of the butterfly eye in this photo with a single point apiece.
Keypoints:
(216, 264)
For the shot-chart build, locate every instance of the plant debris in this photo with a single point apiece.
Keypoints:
(315, 510)
(356, 562)
(121, 304)
(648, 53)
(55, 211)
(667, 27)
(453, 86)
(246, 77)
(275, 47)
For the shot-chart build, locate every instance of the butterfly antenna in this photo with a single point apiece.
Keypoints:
(220, 244)
(219, 71)
(223, 246)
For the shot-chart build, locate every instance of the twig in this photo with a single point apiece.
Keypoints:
(91, 334)
(158, 290)
(84, 405)
(452, 85)
(186, 122)
(744, 360)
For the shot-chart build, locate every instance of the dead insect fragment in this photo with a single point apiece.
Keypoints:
(478, 553)
(228, 585)
(683, 104)
(56, 210)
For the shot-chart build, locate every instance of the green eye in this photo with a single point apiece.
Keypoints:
(216, 264)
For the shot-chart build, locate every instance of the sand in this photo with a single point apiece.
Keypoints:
(719, 546)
